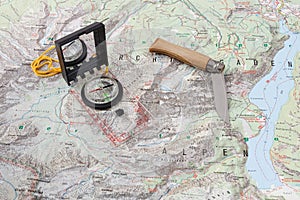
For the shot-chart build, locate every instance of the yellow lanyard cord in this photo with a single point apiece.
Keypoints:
(43, 60)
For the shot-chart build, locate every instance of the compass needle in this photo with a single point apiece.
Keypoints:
(95, 90)
(101, 88)
(108, 85)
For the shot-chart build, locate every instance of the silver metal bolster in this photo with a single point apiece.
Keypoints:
(214, 66)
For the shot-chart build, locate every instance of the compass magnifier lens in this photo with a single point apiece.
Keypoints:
(74, 52)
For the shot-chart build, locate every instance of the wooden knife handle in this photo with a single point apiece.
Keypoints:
(182, 54)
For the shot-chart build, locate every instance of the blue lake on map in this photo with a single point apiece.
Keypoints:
(270, 94)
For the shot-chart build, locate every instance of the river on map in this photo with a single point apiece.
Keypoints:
(270, 94)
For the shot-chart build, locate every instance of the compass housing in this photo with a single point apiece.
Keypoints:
(102, 93)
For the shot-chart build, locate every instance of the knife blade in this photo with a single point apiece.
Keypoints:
(220, 95)
(202, 62)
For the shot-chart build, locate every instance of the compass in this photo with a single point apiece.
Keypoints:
(78, 65)
(102, 92)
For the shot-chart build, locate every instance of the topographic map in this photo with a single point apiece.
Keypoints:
(174, 146)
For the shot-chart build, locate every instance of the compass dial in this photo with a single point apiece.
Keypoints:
(74, 52)
(102, 92)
